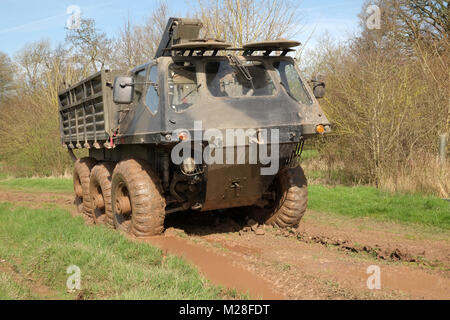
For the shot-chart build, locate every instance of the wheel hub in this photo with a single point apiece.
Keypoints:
(99, 202)
(123, 205)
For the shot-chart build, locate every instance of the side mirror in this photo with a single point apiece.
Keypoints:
(318, 87)
(123, 90)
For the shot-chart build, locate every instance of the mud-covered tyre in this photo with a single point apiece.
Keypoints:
(81, 178)
(78, 202)
(138, 205)
(291, 198)
(100, 191)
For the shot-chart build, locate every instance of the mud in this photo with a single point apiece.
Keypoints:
(326, 258)
(38, 199)
(388, 254)
(219, 269)
(385, 241)
(379, 245)
(307, 265)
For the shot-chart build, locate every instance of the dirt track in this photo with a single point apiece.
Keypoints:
(326, 258)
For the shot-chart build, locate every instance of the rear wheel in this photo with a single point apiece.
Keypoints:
(289, 201)
(100, 191)
(138, 206)
(81, 178)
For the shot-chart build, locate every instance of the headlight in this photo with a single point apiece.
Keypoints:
(189, 165)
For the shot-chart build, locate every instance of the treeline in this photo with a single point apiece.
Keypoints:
(29, 83)
(388, 98)
(387, 89)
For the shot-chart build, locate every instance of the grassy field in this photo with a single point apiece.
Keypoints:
(349, 201)
(33, 244)
(373, 203)
(11, 288)
(38, 184)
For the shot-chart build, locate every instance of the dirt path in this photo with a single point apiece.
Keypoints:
(326, 258)
(38, 199)
(37, 289)
(219, 269)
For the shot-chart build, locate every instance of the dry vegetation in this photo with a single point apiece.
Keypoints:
(387, 90)
(388, 98)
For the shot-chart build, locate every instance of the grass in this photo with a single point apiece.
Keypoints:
(3, 175)
(349, 201)
(309, 154)
(11, 289)
(38, 184)
(42, 243)
(370, 202)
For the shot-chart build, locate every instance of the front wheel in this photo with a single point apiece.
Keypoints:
(289, 200)
(138, 206)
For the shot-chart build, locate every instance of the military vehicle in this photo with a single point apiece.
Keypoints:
(132, 121)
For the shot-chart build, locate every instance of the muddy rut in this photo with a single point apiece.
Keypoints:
(326, 258)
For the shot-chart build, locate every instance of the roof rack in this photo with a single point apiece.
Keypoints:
(245, 52)
(201, 46)
(181, 36)
(285, 46)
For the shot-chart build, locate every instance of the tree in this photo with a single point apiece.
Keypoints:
(7, 71)
(32, 61)
(88, 42)
(137, 44)
(244, 21)
(407, 24)
(388, 100)
(422, 19)
(415, 31)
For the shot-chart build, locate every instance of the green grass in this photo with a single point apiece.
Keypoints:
(11, 289)
(3, 175)
(309, 155)
(350, 201)
(38, 184)
(371, 202)
(42, 243)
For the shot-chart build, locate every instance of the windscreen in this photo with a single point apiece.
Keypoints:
(239, 79)
(292, 82)
(183, 86)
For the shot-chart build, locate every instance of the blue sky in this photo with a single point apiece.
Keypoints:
(24, 21)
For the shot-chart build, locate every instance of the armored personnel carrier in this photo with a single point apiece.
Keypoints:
(203, 126)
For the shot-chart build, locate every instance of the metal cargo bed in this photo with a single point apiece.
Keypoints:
(87, 113)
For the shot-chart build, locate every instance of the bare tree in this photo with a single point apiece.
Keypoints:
(422, 19)
(407, 23)
(87, 41)
(388, 99)
(137, 44)
(243, 21)
(32, 61)
(7, 71)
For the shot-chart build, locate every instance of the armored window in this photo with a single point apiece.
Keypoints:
(244, 79)
(292, 82)
(152, 98)
(183, 87)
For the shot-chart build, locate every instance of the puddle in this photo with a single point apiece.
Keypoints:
(218, 269)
